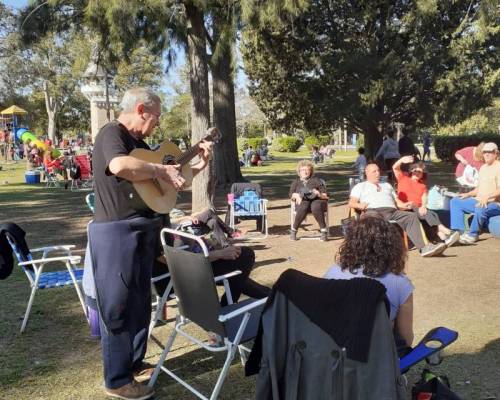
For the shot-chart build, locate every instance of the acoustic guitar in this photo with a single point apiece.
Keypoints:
(157, 194)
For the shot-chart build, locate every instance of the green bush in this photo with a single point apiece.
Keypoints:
(243, 143)
(319, 141)
(447, 146)
(289, 144)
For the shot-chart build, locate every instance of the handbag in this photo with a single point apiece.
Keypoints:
(432, 387)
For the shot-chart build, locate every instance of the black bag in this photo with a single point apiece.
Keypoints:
(74, 172)
(432, 387)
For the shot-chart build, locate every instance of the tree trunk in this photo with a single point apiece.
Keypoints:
(51, 106)
(200, 109)
(373, 141)
(227, 166)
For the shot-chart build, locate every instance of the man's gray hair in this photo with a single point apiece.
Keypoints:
(138, 95)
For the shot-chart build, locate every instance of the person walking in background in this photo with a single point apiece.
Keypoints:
(406, 146)
(388, 152)
(360, 163)
(427, 147)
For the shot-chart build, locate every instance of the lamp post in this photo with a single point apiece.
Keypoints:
(96, 90)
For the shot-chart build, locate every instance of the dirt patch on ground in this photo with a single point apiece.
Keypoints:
(460, 290)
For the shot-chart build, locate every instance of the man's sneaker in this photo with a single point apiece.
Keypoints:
(465, 238)
(430, 250)
(131, 391)
(452, 238)
(324, 236)
(293, 235)
(144, 372)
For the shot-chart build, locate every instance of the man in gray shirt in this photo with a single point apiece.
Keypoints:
(375, 197)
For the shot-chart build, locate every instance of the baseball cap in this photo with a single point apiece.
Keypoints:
(490, 146)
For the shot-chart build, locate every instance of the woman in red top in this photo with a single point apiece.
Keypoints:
(412, 190)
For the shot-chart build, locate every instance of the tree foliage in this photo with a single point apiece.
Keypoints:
(373, 63)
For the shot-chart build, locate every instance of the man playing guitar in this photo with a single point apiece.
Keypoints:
(124, 240)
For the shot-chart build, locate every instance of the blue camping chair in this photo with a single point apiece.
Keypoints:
(429, 348)
(33, 269)
(249, 205)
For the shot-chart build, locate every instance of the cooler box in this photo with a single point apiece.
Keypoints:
(32, 177)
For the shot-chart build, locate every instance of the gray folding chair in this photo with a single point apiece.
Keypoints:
(198, 301)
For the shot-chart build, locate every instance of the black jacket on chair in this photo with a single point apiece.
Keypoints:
(17, 235)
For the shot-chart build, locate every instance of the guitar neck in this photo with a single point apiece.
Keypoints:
(188, 155)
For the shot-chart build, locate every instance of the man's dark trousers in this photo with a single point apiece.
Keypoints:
(123, 255)
(407, 220)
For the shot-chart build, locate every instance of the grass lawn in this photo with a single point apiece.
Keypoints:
(56, 359)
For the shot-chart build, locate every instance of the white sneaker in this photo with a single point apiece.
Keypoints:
(452, 238)
(431, 250)
(465, 238)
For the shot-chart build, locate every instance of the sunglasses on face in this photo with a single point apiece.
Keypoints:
(416, 170)
(489, 151)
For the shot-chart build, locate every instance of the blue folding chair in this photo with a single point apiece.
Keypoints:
(428, 348)
(33, 268)
(250, 205)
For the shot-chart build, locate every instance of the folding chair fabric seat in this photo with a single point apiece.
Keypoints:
(33, 269)
(231, 326)
(248, 204)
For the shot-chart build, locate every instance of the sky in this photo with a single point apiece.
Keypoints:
(16, 3)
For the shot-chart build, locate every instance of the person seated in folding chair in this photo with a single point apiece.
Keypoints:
(375, 197)
(124, 241)
(373, 248)
(412, 188)
(54, 165)
(483, 201)
(208, 220)
(309, 195)
(228, 259)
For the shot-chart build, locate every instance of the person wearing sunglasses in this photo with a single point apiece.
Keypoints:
(483, 201)
(412, 191)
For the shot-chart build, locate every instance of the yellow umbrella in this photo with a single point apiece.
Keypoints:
(14, 110)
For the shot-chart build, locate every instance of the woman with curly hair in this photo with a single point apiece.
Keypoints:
(373, 248)
(309, 195)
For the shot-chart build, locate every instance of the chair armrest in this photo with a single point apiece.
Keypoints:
(66, 247)
(160, 277)
(242, 310)
(71, 259)
(226, 276)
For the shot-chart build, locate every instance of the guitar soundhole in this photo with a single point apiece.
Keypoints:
(168, 159)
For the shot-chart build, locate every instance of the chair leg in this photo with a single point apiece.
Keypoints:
(159, 306)
(28, 308)
(78, 291)
(163, 357)
(225, 369)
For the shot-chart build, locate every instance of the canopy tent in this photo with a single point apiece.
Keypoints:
(14, 110)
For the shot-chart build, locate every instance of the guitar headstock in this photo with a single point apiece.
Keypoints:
(213, 135)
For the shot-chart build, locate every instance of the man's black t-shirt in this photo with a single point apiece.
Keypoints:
(111, 204)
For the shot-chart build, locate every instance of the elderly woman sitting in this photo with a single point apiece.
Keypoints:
(309, 195)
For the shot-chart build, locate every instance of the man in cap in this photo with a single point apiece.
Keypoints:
(483, 201)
